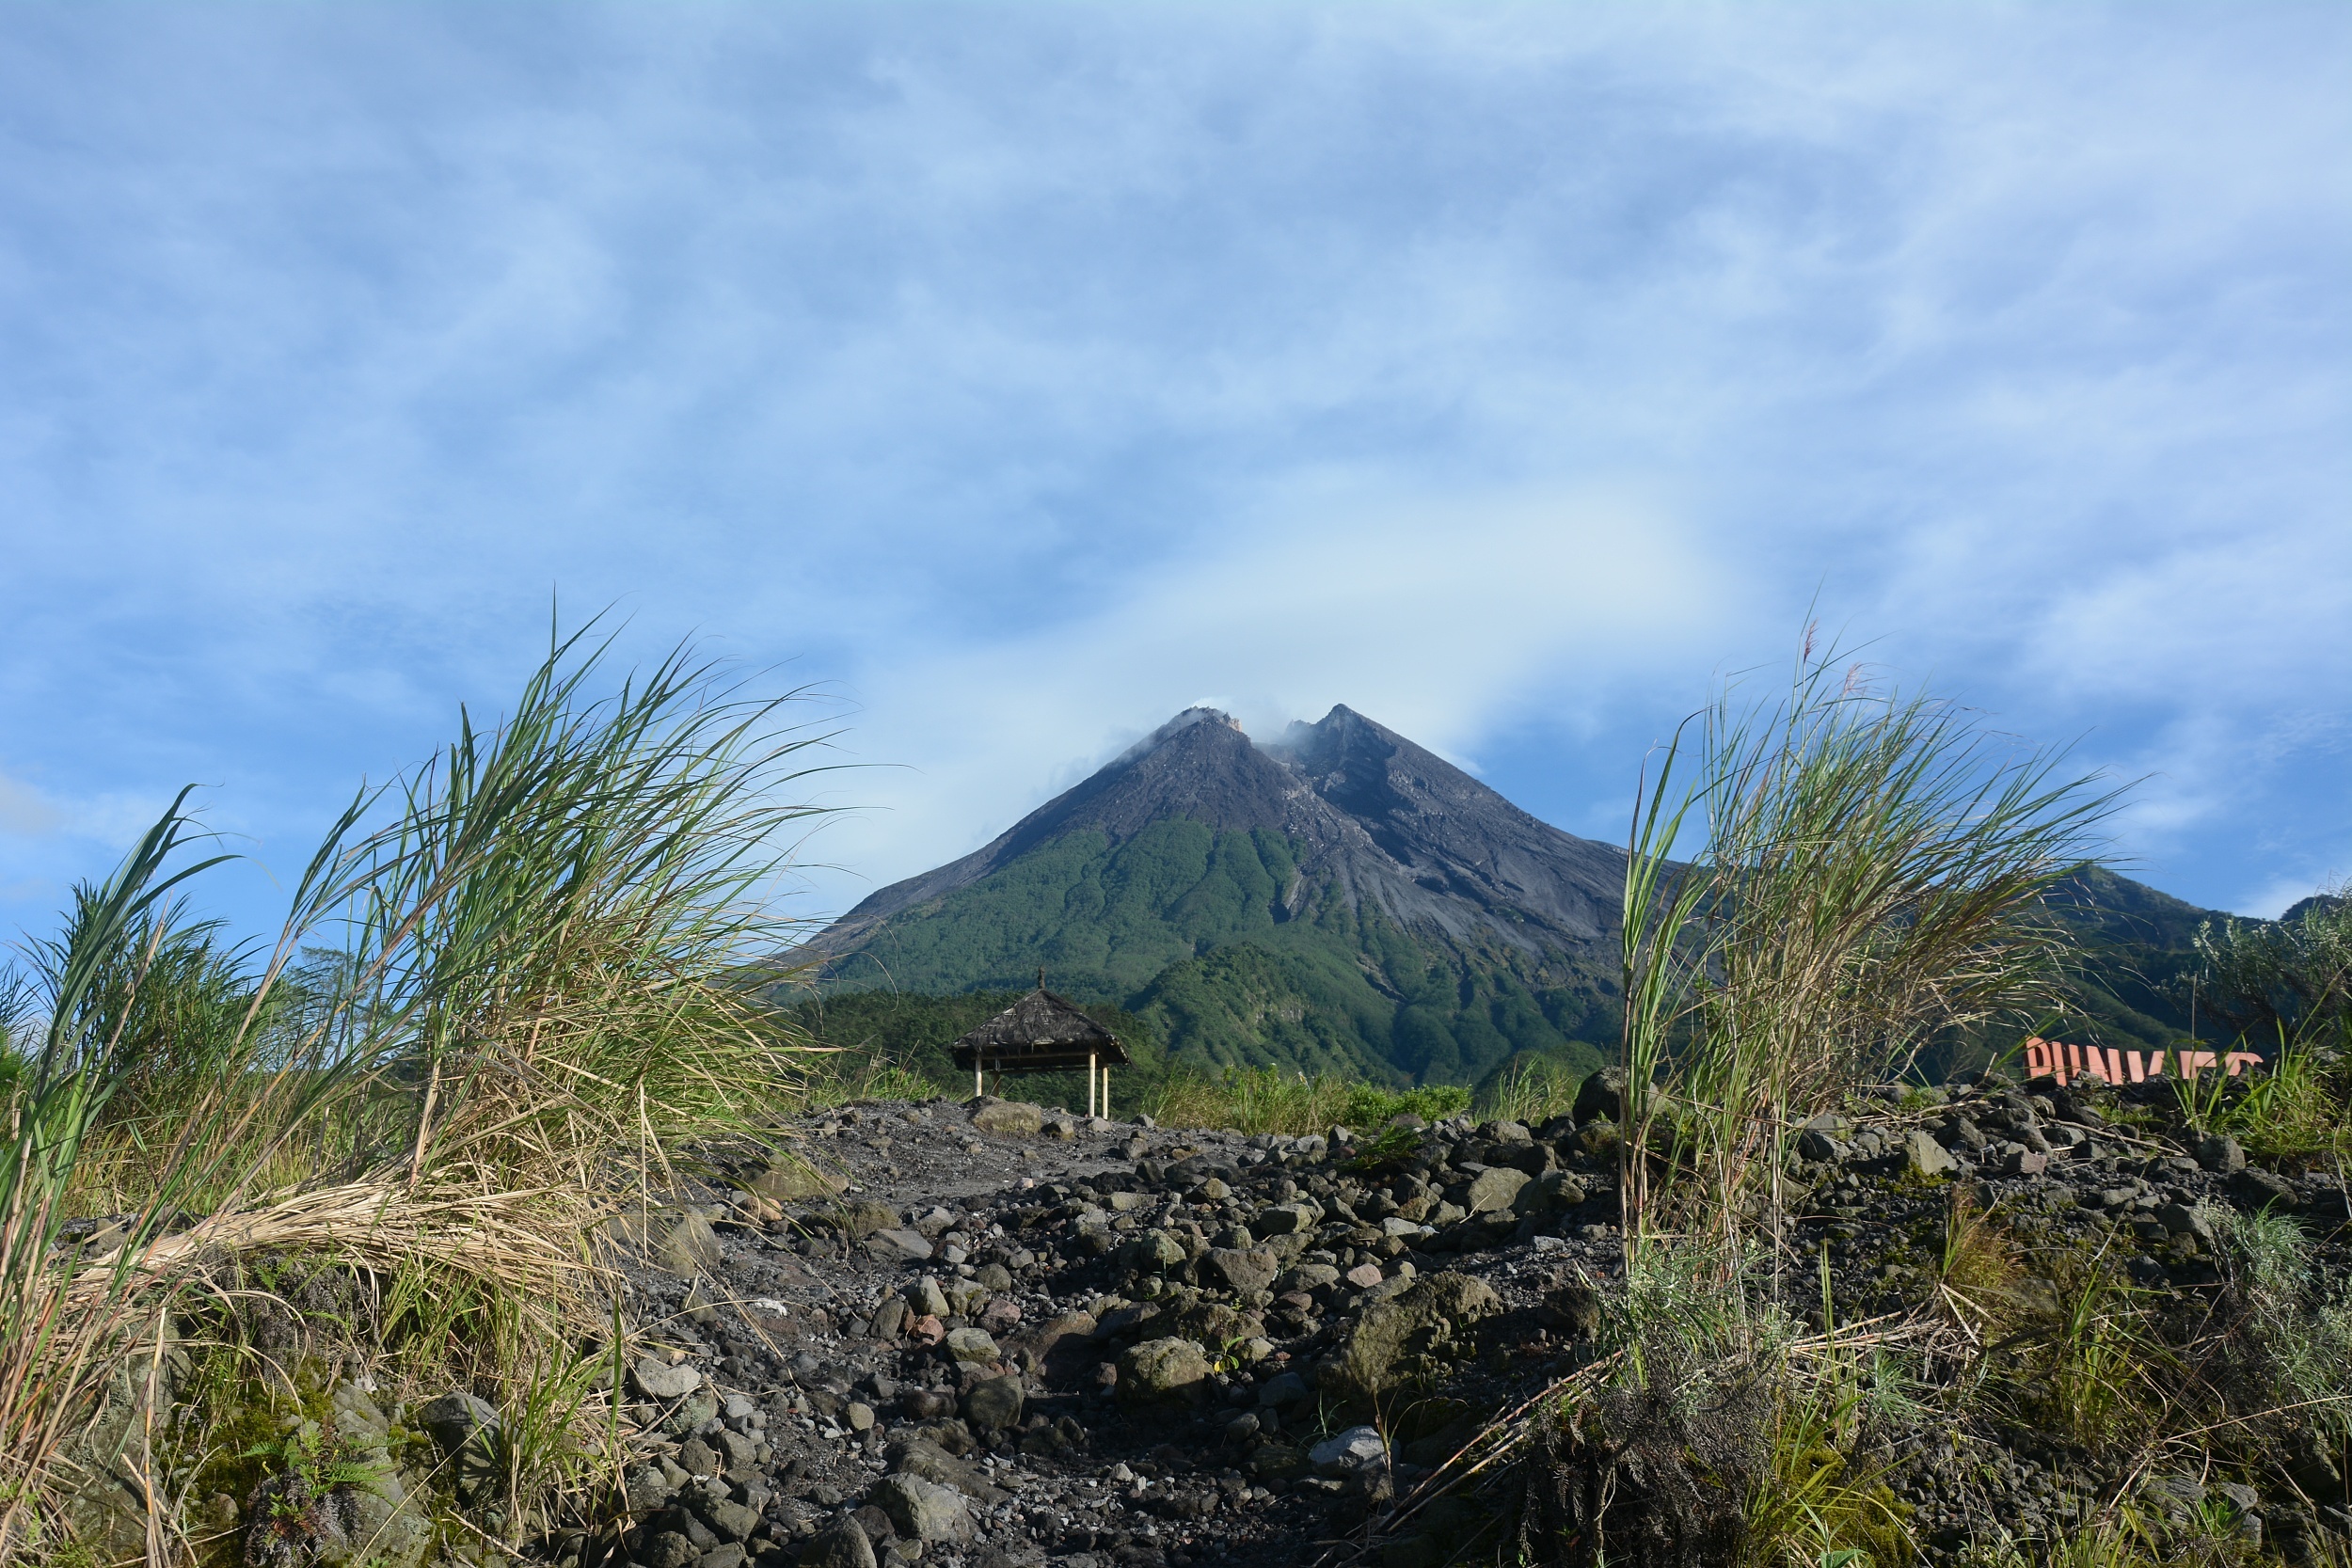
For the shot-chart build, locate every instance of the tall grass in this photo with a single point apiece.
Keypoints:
(1266, 1099)
(2289, 976)
(522, 958)
(1872, 875)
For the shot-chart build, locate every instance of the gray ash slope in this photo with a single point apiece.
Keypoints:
(1022, 1339)
(1345, 900)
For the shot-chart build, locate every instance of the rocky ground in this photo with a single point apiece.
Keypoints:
(983, 1333)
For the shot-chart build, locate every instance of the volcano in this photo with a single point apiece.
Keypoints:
(1338, 899)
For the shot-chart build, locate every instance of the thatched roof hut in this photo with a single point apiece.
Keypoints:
(1043, 1032)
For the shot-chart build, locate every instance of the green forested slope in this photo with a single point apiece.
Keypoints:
(1187, 926)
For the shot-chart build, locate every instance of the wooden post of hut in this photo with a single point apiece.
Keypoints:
(1043, 1033)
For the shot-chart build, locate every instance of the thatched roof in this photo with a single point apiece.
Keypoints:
(1038, 1033)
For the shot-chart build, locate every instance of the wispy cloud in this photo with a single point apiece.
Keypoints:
(23, 813)
(1503, 372)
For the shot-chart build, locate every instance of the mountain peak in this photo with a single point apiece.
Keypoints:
(1368, 813)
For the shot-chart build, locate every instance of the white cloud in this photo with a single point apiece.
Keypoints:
(1434, 616)
(1498, 373)
(23, 813)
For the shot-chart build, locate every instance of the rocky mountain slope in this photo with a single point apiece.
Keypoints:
(1343, 900)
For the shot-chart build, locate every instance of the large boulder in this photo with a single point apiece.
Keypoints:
(1401, 1339)
(993, 1404)
(655, 1379)
(1005, 1118)
(866, 1216)
(1242, 1270)
(2258, 1189)
(1356, 1448)
(1554, 1191)
(1924, 1157)
(1162, 1371)
(927, 1461)
(789, 1179)
(843, 1546)
(1601, 1096)
(923, 1510)
(898, 1246)
(1152, 1251)
(2222, 1153)
(388, 1527)
(1491, 1190)
(1285, 1219)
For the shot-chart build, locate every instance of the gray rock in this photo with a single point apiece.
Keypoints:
(1550, 1193)
(1007, 1118)
(1356, 1448)
(1152, 1250)
(736, 1449)
(1961, 1134)
(455, 1420)
(2221, 1155)
(669, 1550)
(1819, 1147)
(994, 1404)
(1424, 1319)
(1235, 1269)
(647, 1489)
(386, 1529)
(866, 1216)
(2259, 1189)
(1283, 1389)
(1491, 1191)
(1308, 1276)
(842, 1546)
(898, 1246)
(728, 1520)
(697, 1458)
(1601, 1096)
(2179, 1219)
(928, 1299)
(657, 1380)
(687, 1246)
(922, 1510)
(789, 1179)
(466, 1431)
(1162, 1371)
(1284, 1219)
(1924, 1157)
(929, 1462)
(972, 1345)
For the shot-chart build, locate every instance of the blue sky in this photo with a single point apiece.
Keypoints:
(1022, 375)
